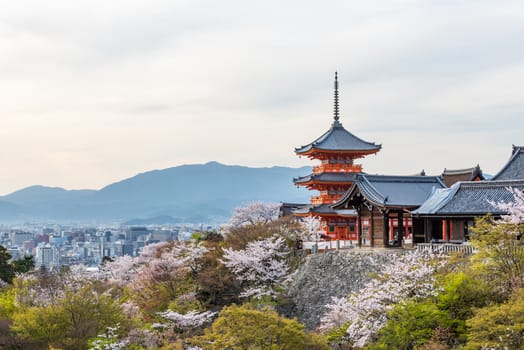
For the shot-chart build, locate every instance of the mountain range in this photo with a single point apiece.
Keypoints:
(197, 193)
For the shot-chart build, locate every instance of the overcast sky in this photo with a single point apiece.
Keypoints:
(93, 92)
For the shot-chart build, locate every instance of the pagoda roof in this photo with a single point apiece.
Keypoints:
(469, 198)
(450, 176)
(288, 208)
(514, 168)
(339, 139)
(326, 177)
(391, 191)
(311, 209)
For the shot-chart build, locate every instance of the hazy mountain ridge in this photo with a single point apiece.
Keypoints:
(188, 193)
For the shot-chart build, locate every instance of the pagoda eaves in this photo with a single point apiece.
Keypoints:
(335, 140)
(336, 150)
(325, 178)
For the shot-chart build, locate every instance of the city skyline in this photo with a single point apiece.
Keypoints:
(96, 92)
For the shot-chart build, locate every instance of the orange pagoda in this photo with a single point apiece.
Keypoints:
(337, 150)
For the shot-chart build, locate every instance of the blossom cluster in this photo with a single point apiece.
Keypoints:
(514, 208)
(409, 275)
(156, 262)
(311, 228)
(261, 266)
(192, 319)
(254, 213)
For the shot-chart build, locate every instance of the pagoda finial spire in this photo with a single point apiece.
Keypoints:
(335, 110)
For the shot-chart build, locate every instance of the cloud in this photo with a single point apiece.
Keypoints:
(114, 88)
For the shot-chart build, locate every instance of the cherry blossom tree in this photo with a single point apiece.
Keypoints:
(190, 320)
(261, 267)
(409, 275)
(156, 263)
(254, 213)
(514, 208)
(311, 228)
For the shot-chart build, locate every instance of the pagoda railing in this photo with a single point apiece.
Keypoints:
(324, 199)
(337, 168)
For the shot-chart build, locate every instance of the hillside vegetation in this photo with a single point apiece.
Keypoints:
(234, 290)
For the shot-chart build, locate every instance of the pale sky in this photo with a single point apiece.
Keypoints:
(93, 92)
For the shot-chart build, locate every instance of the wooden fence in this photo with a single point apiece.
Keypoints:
(446, 247)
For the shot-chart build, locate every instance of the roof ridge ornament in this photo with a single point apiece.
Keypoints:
(336, 116)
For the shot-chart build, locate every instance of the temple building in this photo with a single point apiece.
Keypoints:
(383, 205)
(336, 150)
(449, 214)
(451, 177)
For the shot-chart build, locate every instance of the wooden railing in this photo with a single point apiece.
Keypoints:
(337, 168)
(324, 199)
(446, 248)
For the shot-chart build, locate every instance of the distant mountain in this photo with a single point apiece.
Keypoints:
(186, 193)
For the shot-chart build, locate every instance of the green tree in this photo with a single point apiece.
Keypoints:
(461, 292)
(244, 328)
(8, 307)
(413, 324)
(500, 251)
(71, 322)
(6, 270)
(499, 326)
(25, 264)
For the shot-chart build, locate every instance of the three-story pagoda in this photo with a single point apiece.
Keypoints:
(337, 150)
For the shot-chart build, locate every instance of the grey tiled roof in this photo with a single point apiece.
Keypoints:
(339, 139)
(469, 198)
(288, 208)
(321, 209)
(514, 168)
(393, 191)
(326, 177)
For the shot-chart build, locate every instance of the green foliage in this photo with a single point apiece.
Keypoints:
(215, 283)
(40, 325)
(78, 316)
(461, 293)
(338, 334)
(500, 251)
(499, 326)
(211, 235)
(7, 303)
(25, 264)
(9, 269)
(244, 328)
(6, 270)
(413, 324)
(8, 307)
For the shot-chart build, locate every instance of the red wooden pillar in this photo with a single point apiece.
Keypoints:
(444, 230)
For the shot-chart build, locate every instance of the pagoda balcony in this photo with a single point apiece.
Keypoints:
(324, 199)
(337, 168)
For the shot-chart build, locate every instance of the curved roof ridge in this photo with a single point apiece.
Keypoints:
(438, 198)
(327, 176)
(371, 192)
(461, 171)
(337, 138)
(402, 178)
(492, 183)
(516, 152)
